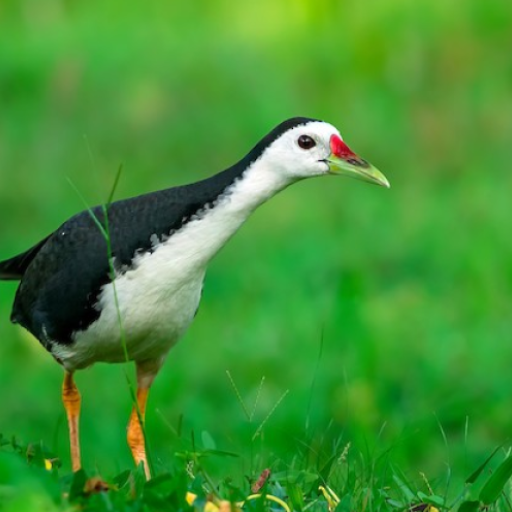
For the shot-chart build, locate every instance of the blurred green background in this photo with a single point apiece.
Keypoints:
(387, 315)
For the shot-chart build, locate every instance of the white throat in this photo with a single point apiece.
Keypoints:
(202, 237)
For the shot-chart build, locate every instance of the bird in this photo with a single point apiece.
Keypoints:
(122, 281)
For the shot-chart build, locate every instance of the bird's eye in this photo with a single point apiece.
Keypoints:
(306, 142)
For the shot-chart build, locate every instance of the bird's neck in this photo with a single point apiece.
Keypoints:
(202, 237)
(256, 185)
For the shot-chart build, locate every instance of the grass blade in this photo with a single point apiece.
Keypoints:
(238, 395)
(262, 424)
(114, 186)
(474, 476)
(94, 217)
(494, 486)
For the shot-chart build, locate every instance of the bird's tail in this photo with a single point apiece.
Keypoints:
(14, 268)
(10, 270)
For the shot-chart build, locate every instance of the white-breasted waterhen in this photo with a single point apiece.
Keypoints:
(160, 246)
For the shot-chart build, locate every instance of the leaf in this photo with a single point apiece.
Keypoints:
(295, 496)
(122, 479)
(405, 489)
(324, 474)
(208, 442)
(390, 502)
(473, 477)
(345, 505)
(437, 501)
(494, 486)
(431, 499)
(76, 491)
(469, 506)
(164, 483)
(326, 469)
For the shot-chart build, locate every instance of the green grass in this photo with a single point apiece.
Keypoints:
(384, 315)
(31, 480)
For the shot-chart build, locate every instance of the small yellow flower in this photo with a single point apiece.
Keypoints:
(190, 497)
(226, 506)
(210, 506)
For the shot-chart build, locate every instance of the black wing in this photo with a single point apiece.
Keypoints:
(61, 283)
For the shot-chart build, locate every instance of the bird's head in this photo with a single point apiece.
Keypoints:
(302, 148)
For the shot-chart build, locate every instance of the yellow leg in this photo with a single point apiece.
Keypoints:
(145, 375)
(135, 436)
(71, 399)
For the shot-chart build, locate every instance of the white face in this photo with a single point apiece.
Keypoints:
(302, 151)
